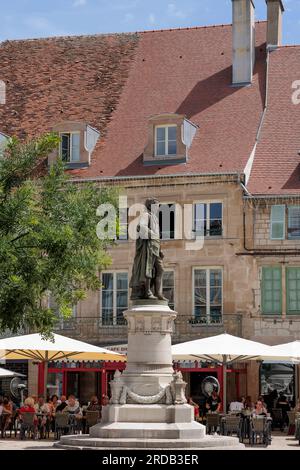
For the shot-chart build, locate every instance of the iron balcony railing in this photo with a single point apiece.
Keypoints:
(88, 327)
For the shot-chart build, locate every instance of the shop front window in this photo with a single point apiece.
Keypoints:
(277, 379)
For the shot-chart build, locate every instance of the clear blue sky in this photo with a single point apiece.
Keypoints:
(40, 18)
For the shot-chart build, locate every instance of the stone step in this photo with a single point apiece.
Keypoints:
(83, 442)
(133, 430)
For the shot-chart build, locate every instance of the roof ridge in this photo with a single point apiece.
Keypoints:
(128, 33)
(184, 28)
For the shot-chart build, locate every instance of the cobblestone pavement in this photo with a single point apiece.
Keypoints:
(279, 442)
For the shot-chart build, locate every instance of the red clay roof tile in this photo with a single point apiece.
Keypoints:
(276, 168)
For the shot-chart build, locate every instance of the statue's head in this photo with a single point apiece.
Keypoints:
(152, 201)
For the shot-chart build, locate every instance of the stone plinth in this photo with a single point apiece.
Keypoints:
(148, 407)
(149, 359)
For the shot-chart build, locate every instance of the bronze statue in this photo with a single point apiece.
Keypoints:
(147, 271)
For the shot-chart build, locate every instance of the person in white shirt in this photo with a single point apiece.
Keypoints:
(41, 406)
(236, 405)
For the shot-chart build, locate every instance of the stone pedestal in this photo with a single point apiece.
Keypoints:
(148, 407)
(149, 359)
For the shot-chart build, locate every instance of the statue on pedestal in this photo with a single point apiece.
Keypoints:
(147, 272)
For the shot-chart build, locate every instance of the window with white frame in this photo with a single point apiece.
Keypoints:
(282, 217)
(165, 140)
(167, 221)
(114, 298)
(207, 294)
(70, 146)
(294, 222)
(208, 219)
(169, 287)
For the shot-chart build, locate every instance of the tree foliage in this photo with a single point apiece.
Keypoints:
(48, 240)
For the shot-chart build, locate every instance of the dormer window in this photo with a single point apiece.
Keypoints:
(169, 139)
(70, 147)
(165, 140)
(77, 143)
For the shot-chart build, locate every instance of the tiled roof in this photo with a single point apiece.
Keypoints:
(116, 82)
(276, 168)
(63, 79)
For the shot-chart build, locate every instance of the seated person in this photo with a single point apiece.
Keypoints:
(94, 404)
(44, 412)
(260, 409)
(28, 407)
(283, 404)
(248, 405)
(261, 398)
(73, 408)
(6, 415)
(41, 406)
(62, 405)
(236, 406)
(213, 403)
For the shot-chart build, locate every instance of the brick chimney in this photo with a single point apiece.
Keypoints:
(243, 45)
(274, 29)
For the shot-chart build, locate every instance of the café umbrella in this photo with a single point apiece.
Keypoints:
(8, 373)
(34, 347)
(222, 349)
(293, 351)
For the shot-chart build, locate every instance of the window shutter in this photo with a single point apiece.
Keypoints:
(293, 291)
(278, 222)
(294, 222)
(75, 147)
(271, 291)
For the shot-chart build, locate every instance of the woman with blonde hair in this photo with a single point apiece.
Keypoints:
(28, 407)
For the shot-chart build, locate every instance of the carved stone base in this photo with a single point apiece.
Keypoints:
(147, 414)
(148, 406)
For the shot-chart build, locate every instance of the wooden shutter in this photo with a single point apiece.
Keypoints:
(293, 291)
(271, 291)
